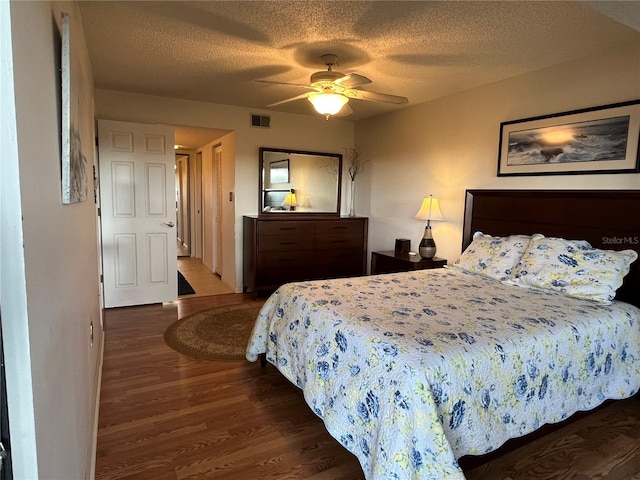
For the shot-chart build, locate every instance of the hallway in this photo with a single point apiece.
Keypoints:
(202, 280)
(183, 251)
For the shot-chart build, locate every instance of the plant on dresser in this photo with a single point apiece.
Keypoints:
(279, 251)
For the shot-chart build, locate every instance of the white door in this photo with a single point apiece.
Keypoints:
(138, 213)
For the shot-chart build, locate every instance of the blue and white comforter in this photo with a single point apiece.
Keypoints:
(411, 371)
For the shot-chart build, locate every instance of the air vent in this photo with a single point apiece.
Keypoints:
(263, 121)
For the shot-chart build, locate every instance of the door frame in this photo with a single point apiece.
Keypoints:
(183, 209)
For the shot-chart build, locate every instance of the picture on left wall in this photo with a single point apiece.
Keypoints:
(73, 161)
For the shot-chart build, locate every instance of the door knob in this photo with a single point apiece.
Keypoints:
(170, 224)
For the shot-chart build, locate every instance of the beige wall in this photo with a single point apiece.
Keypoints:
(52, 405)
(449, 145)
(228, 267)
(299, 132)
(314, 183)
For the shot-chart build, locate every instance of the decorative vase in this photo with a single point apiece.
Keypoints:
(427, 247)
(352, 199)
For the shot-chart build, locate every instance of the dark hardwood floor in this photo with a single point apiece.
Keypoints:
(164, 415)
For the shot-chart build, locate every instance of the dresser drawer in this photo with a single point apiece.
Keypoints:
(274, 277)
(343, 234)
(276, 243)
(338, 255)
(342, 227)
(339, 263)
(290, 259)
(337, 240)
(288, 228)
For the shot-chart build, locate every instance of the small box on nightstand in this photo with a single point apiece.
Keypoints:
(403, 246)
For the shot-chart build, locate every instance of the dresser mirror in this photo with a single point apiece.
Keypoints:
(297, 182)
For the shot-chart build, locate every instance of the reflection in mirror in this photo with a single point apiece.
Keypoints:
(279, 171)
(300, 182)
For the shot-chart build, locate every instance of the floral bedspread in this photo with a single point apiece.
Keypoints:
(411, 371)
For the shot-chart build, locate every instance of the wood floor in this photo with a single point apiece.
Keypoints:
(164, 415)
(202, 280)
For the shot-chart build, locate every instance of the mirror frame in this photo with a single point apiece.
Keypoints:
(295, 214)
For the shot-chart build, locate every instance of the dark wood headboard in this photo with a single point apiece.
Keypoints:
(608, 219)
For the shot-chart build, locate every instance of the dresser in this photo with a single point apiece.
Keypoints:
(280, 251)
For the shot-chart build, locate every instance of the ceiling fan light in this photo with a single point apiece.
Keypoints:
(327, 103)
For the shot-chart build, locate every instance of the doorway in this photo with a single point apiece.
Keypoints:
(206, 220)
(200, 219)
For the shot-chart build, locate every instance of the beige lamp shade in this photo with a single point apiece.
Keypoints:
(430, 210)
(327, 103)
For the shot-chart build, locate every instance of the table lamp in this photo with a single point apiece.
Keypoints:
(290, 201)
(430, 210)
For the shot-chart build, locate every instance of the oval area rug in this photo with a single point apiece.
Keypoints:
(217, 334)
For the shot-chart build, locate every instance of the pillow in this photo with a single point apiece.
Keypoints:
(573, 268)
(493, 257)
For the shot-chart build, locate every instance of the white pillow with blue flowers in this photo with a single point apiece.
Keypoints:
(573, 267)
(493, 257)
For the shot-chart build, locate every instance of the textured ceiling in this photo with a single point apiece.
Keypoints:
(218, 51)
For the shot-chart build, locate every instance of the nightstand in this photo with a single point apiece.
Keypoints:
(389, 262)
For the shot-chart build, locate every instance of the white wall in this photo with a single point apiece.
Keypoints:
(51, 411)
(13, 293)
(451, 144)
(300, 132)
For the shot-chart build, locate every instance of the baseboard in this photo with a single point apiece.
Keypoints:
(94, 440)
(232, 287)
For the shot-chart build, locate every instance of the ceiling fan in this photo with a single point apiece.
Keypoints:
(332, 90)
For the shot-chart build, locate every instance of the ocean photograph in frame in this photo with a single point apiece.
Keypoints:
(588, 141)
(73, 162)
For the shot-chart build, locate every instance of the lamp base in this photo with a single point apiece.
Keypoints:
(427, 248)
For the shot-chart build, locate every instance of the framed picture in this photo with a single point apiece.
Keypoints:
(73, 161)
(279, 171)
(592, 140)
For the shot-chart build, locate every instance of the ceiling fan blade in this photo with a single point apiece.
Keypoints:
(286, 83)
(375, 97)
(344, 111)
(352, 80)
(304, 95)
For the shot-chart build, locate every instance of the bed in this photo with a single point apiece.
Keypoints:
(412, 371)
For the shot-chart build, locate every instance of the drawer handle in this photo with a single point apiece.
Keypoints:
(288, 243)
(339, 241)
(287, 228)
